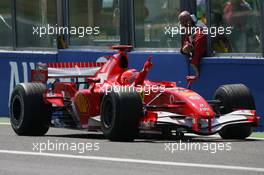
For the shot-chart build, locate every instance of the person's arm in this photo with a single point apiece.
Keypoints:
(187, 47)
(143, 74)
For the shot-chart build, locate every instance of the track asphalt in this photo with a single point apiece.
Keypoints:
(68, 152)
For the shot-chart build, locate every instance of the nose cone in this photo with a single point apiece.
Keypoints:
(208, 113)
(198, 105)
(194, 103)
(203, 109)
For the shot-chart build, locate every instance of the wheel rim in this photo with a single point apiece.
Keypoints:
(220, 108)
(17, 109)
(108, 114)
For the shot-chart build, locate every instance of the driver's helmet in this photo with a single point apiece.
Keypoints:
(128, 77)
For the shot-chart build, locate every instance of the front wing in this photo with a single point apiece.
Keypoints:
(167, 119)
(176, 121)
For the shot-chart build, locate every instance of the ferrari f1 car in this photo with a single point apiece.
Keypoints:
(121, 102)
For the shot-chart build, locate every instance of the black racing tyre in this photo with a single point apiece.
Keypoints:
(239, 132)
(231, 97)
(234, 96)
(29, 115)
(120, 115)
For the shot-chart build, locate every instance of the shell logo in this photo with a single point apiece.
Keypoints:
(82, 103)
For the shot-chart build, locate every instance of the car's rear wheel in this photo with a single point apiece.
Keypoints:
(232, 97)
(29, 115)
(120, 115)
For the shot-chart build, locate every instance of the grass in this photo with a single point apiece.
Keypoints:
(4, 120)
(258, 134)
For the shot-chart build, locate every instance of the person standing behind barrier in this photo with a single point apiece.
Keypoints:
(194, 44)
(237, 13)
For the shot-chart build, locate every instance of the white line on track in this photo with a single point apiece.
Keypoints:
(136, 161)
(256, 138)
(5, 124)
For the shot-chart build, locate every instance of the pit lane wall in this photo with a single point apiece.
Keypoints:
(15, 67)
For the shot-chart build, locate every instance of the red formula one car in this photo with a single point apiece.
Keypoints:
(109, 97)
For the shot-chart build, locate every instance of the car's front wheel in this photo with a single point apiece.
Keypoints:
(120, 115)
(234, 97)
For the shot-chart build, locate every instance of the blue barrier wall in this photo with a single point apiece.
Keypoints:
(15, 68)
(166, 66)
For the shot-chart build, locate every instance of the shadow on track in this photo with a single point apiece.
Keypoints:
(155, 138)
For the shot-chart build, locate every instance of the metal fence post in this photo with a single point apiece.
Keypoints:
(208, 18)
(262, 24)
(14, 26)
(126, 21)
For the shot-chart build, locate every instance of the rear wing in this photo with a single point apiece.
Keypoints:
(64, 70)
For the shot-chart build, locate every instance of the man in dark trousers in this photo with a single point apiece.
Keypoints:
(194, 44)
